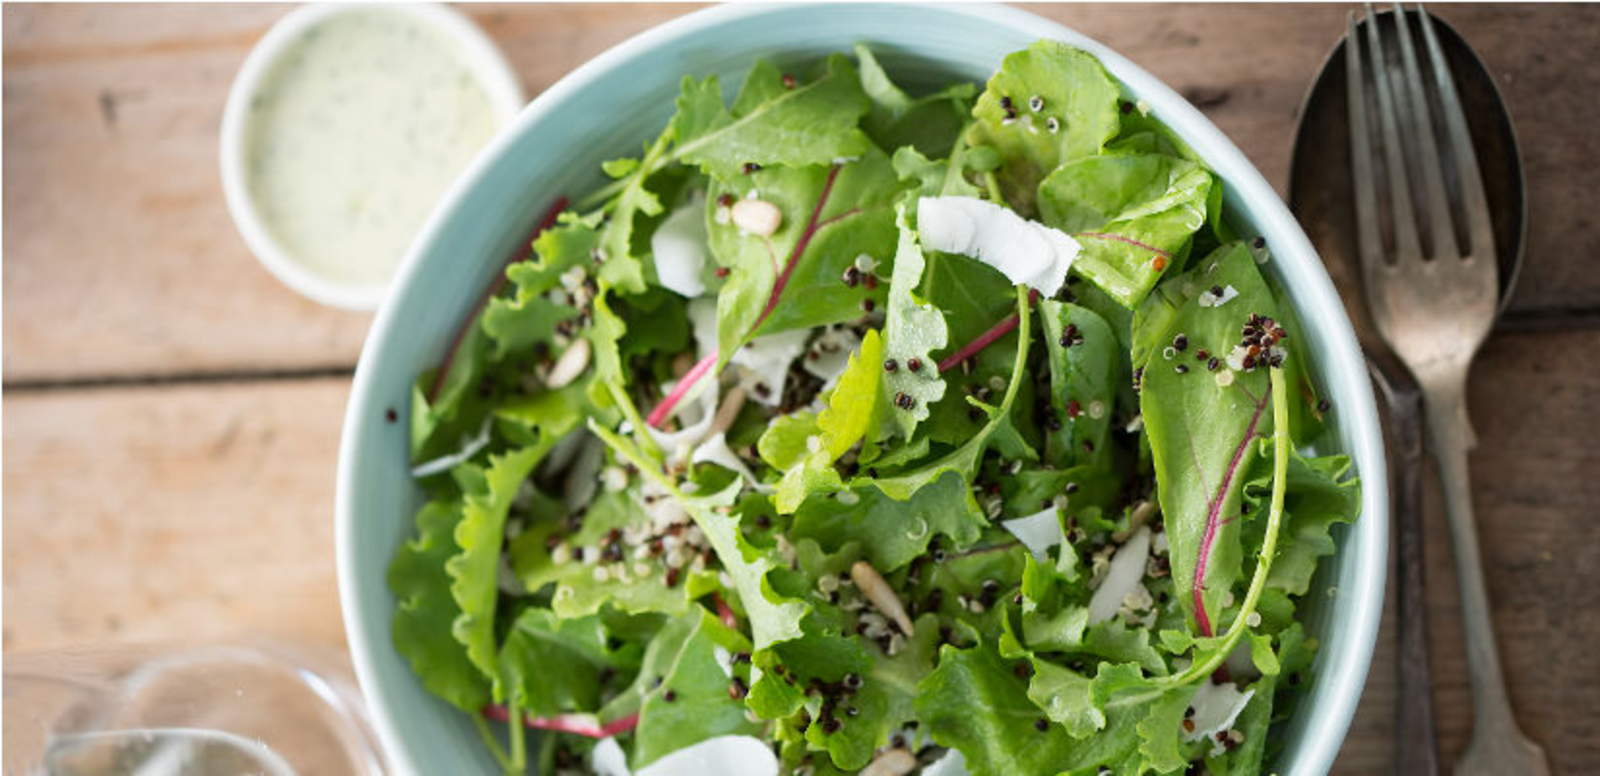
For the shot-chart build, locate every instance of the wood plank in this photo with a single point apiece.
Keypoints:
(173, 513)
(121, 259)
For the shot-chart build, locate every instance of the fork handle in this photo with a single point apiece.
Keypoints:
(1445, 403)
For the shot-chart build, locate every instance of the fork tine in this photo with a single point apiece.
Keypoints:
(1394, 154)
(1368, 240)
(1479, 229)
(1442, 236)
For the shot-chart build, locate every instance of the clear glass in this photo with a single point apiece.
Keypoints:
(150, 711)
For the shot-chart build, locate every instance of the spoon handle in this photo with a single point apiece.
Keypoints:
(1416, 742)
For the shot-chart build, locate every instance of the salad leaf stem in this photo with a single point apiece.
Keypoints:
(992, 184)
(519, 748)
(576, 724)
(812, 226)
(489, 741)
(1269, 541)
(1214, 515)
(985, 339)
(547, 221)
(699, 370)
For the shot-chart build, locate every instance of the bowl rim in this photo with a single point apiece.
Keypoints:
(1342, 365)
(481, 57)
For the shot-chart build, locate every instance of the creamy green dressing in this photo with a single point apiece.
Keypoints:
(355, 133)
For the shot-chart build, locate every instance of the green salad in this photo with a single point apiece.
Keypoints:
(851, 431)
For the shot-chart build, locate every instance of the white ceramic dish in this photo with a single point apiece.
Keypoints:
(604, 109)
(478, 53)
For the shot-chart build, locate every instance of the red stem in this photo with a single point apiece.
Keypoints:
(1129, 240)
(664, 409)
(546, 222)
(1214, 520)
(799, 247)
(567, 723)
(985, 339)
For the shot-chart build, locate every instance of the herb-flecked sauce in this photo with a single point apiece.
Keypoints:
(354, 134)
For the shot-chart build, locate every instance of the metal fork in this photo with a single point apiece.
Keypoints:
(1432, 292)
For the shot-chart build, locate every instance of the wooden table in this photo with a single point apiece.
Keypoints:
(171, 412)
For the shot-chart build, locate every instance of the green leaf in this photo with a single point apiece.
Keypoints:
(1132, 214)
(912, 332)
(1202, 433)
(425, 611)
(1075, 91)
(974, 701)
(964, 459)
(812, 124)
(1064, 696)
(473, 571)
(683, 658)
(891, 533)
(552, 665)
(831, 215)
(930, 124)
(515, 324)
(855, 407)
(1085, 374)
(639, 587)
(1317, 497)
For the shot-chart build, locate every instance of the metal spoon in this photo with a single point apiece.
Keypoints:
(1320, 196)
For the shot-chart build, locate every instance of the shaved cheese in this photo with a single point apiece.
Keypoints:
(831, 351)
(1123, 575)
(720, 756)
(764, 361)
(679, 248)
(1215, 706)
(1038, 532)
(695, 414)
(715, 450)
(951, 764)
(1026, 252)
(609, 759)
(447, 462)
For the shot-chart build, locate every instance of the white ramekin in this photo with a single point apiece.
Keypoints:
(482, 58)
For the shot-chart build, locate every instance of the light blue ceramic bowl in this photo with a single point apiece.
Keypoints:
(605, 109)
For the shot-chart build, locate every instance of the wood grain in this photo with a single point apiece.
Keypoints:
(112, 190)
(171, 513)
(186, 509)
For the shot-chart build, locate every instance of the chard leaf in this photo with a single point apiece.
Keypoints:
(552, 665)
(1075, 91)
(1132, 214)
(1202, 433)
(1085, 373)
(912, 332)
(831, 215)
(812, 124)
(425, 611)
(691, 703)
